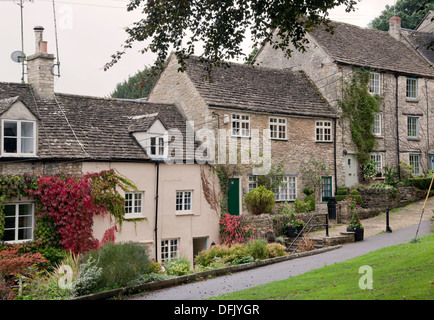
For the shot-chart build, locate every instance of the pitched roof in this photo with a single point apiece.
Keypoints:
(259, 89)
(79, 127)
(419, 41)
(371, 48)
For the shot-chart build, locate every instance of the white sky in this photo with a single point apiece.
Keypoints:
(89, 32)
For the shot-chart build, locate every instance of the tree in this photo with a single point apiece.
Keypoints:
(137, 86)
(411, 13)
(222, 25)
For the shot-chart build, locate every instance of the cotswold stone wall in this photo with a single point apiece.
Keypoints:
(40, 168)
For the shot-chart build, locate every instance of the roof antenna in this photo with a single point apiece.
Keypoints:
(57, 45)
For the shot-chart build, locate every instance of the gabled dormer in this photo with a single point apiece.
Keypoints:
(151, 133)
(19, 128)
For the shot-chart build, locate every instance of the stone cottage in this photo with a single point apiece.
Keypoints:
(401, 72)
(276, 110)
(44, 133)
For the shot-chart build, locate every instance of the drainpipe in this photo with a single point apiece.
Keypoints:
(397, 125)
(336, 174)
(157, 164)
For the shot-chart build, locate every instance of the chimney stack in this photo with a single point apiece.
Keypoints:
(395, 27)
(39, 67)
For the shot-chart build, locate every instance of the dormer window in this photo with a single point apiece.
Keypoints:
(157, 146)
(18, 138)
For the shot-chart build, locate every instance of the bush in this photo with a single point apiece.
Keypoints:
(342, 191)
(258, 248)
(259, 200)
(177, 267)
(120, 263)
(311, 204)
(420, 183)
(356, 196)
(275, 250)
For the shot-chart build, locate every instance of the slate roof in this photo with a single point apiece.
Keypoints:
(259, 89)
(419, 41)
(370, 48)
(102, 127)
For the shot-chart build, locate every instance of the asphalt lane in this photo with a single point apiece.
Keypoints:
(283, 270)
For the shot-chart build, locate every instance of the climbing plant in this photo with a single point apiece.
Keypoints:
(66, 206)
(360, 107)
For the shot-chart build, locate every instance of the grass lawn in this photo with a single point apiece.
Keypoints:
(403, 271)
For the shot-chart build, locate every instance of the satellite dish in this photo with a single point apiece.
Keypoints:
(18, 56)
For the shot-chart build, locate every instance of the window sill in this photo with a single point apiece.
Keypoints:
(181, 213)
(415, 100)
(413, 139)
(276, 139)
(323, 141)
(244, 137)
(378, 136)
(134, 216)
(19, 155)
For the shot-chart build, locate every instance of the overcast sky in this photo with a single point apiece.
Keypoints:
(90, 31)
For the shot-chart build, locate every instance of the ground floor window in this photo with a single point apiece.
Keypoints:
(253, 182)
(287, 191)
(415, 162)
(169, 249)
(19, 222)
(326, 188)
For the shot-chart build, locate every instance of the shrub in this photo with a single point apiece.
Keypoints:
(120, 263)
(300, 206)
(420, 183)
(310, 200)
(177, 267)
(259, 200)
(275, 250)
(231, 230)
(89, 277)
(308, 191)
(258, 248)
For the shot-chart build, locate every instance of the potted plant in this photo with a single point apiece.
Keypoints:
(294, 226)
(355, 225)
(271, 236)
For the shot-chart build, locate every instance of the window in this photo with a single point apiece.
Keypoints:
(240, 125)
(133, 203)
(323, 131)
(411, 92)
(412, 127)
(253, 182)
(184, 201)
(278, 128)
(18, 222)
(431, 162)
(157, 146)
(378, 159)
(326, 188)
(376, 128)
(169, 249)
(415, 162)
(18, 137)
(287, 190)
(374, 83)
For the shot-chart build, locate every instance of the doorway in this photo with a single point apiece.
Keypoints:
(234, 196)
(350, 170)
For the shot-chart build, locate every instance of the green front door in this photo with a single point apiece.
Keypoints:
(234, 197)
(326, 188)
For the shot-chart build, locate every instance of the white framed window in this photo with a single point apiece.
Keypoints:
(157, 146)
(169, 249)
(323, 131)
(378, 159)
(19, 222)
(415, 162)
(18, 138)
(240, 125)
(133, 204)
(253, 182)
(412, 127)
(184, 202)
(411, 88)
(277, 128)
(287, 190)
(376, 128)
(374, 83)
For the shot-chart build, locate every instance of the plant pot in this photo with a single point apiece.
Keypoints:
(271, 237)
(291, 232)
(358, 233)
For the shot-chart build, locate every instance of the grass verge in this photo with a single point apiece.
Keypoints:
(403, 271)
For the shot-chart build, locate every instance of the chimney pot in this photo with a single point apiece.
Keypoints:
(395, 27)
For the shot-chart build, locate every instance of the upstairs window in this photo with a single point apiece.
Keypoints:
(412, 127)
(184, 201)
(133, 204)
(240, 125)
(374, 83)
(411, 91)
(157, 146)
(376, 128)
(323, 131)
(278, 128)
(18, 138)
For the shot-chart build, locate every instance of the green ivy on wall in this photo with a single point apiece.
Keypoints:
(360, 107)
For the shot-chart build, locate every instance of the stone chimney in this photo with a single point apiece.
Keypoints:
(39, 67)
(395, 27)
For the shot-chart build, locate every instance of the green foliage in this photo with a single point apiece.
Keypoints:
(411, 13)
(420, 183)
(313, 173)
(120, 263)
(359, 107)
(221, 27)
(355, 222)
(259, 200)
(89, 277)
(301, 206)
(137, 86)
(258, 248)
(390, 175)
(310, 200)
(177, 267)
(308, 191)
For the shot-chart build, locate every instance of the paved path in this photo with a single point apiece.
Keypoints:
(403, 223)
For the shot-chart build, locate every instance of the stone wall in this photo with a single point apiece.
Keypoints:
(40, 168)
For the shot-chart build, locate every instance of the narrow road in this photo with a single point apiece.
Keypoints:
(283, 270)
